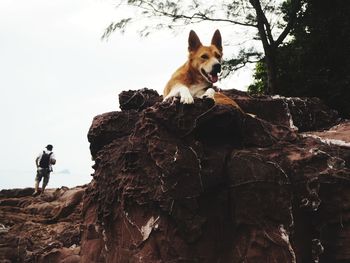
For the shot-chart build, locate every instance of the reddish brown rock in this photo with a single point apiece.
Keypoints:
(336, 135)
(304, 114)
(40, 229)
(138, 99)
(196, 183)
(206, 183)
(109, 126)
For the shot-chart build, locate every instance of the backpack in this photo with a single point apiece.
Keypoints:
(45, 160)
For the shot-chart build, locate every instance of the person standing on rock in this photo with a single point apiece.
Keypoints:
(44, 163)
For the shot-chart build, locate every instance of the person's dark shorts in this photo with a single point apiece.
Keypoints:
(42, 173)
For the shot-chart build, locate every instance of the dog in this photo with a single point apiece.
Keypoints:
(196, 77)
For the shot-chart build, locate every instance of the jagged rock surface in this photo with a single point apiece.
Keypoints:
(207, 183)
(196, 183)
(44, 229)
(305, 114)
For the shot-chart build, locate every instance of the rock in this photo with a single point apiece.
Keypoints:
(138, 99)
(196, 183)
(208, 183)
(40, 229)
(303, 114)
(11, 193)
(336, 135)
(109, 126)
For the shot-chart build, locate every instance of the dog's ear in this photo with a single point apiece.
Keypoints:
(193, 41)
(216, 40)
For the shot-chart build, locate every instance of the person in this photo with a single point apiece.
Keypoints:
(44, 162)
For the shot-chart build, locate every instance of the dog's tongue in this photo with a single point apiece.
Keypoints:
(214, 78)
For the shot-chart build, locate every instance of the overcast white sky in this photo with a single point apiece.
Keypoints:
(56, 74)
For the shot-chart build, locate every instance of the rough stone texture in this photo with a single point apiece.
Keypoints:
(198, 183)
(337, 135)
(138, 99)
(206, 183)
(306, 114)
(40, 229)
(109, 126)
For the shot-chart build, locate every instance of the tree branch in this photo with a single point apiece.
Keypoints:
(291, 21)
(265, 25)
(227, 68)
(200, 16)
(261, 28)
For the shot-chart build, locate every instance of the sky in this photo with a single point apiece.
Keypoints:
(56, 74)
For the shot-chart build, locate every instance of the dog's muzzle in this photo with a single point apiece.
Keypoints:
(212, 76)
(216, 68)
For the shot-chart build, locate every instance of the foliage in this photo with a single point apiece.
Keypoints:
(261, 17)
(244, 57)
(260, 79)
(316, 62)
(167, 14)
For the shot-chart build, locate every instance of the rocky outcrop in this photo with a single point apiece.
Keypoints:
(45, 228)
(208, 183)
(196, 183)
(302, 114)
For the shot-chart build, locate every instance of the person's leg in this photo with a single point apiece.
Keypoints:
(37, 181)
(45, 181)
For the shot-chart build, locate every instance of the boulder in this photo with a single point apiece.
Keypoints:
(196, 183)
(208, 183)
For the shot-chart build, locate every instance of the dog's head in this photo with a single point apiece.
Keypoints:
(206, 59)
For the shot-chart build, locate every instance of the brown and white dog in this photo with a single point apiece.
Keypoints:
(196, 77)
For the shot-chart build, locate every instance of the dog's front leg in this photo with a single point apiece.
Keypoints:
(185, 95)
(183, 92)
(209, 93)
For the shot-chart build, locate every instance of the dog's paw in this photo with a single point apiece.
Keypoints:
(210, 93)
(186, 99)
